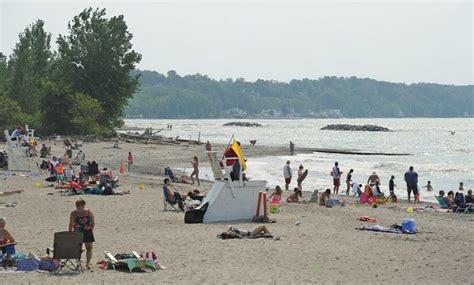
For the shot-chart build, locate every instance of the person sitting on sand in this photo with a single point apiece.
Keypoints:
(82, 220)
(5, 237)
(326, 195)
(237, 233)
(314, 197)
(356, 189)
(450, 200)
(172, 197)
(275, 197)
(293, 198)
(469, 198)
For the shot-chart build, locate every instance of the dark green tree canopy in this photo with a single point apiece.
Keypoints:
(96, 58)
(198, 96)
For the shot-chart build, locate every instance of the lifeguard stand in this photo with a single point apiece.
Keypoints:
(18, 158)
(230, 200)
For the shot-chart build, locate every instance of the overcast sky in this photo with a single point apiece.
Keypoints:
(399, 42)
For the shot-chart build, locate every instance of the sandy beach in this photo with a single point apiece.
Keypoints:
(325, 248)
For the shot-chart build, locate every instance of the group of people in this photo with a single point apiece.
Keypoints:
(457, 200)
(373, 181)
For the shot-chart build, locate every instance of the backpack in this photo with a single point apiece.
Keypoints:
(195, 216)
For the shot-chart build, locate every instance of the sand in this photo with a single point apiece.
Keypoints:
(324, 248)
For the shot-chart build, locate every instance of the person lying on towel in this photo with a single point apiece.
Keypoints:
(237, 233)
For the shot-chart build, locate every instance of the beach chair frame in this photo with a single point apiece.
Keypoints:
(67, 247)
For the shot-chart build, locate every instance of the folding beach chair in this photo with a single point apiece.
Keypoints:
(66, 248)
(130, 263)
(461, 205)
(170, 174)
(441, 202)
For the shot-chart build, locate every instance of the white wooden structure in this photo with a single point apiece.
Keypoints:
(230, 200)
(18, 158)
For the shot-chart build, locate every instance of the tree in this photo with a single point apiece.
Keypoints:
(68, 112)
(96, 59)
(11, 114)
(29, 65)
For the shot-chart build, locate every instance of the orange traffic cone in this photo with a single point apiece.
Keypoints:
(121, 168)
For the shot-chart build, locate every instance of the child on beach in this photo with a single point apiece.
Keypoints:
(294, 197)
(391, 188)
(130, 160)
(59, 174)
(428, 187)
(275, 197)
(461, 186)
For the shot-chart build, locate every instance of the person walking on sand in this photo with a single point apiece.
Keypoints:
(411, 178)
(195, 173)
(336, 177)
(292, 148)
(82, 220)
(349, 181)
(287, 174)
(129, 160)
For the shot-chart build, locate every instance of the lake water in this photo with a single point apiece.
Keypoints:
(438, 156)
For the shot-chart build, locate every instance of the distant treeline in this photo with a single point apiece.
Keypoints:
(198, 96)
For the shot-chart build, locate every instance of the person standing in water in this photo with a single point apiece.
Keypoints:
(336, 177)
(208, 146)
(349, 181)
(292, 148)
(195, 173)
(428, 187)
(287, 174)
(411, 178)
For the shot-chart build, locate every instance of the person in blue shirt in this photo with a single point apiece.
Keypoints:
(16, 134)
(411, 178)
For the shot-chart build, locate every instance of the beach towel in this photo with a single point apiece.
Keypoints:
(368, 219)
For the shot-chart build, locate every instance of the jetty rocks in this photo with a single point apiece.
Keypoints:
(364, 128)
(242, 124)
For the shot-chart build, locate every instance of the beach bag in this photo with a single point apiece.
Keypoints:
(108, 191)
(195, 216)
(27, 264)
(47, 264)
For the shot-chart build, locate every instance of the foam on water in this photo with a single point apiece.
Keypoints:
(438, 156)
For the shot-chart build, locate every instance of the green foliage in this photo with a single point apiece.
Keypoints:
(28, 66)
(11, 114)
(198, 96)
(81, 89)
(103, 52)
(68, 112)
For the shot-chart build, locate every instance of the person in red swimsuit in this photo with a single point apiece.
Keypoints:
(5, 237)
